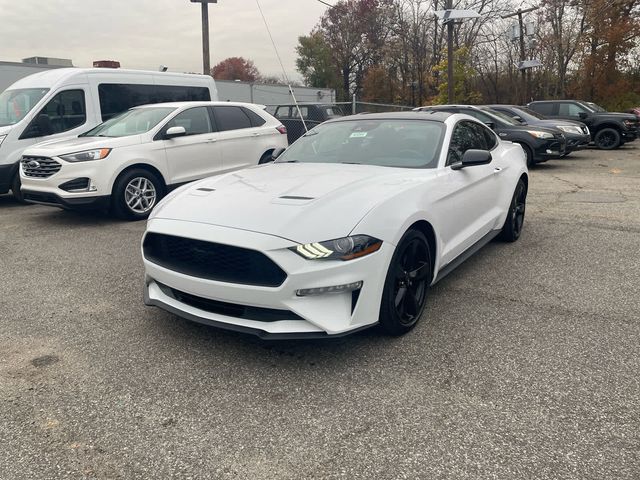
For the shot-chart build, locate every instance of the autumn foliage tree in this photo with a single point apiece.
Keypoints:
(236, 68)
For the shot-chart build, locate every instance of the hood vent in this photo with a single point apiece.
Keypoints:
(295, 197)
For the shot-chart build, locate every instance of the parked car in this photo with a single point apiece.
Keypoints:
(65, 102)
(608, 130)
(346, 229)
(130, 161)
(539, 143)
(576, 133)
(312, 113)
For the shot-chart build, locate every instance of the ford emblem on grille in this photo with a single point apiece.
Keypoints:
(33, 164)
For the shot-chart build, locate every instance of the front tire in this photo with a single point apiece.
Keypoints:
(607, 139)
(135, 193)
(16, 188)
(512, 227)
(405, 289)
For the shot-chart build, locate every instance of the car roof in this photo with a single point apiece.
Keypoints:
(412, 115)
(201, 104)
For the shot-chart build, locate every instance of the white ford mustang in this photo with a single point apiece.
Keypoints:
(346, 229)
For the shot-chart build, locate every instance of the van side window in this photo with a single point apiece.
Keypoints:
(116, 98)
(231, 118)
(64, 112)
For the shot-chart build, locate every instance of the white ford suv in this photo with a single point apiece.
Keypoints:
(129, 162)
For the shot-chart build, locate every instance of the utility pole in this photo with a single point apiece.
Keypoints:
(523, 71)
(450, 80)
(206, 65)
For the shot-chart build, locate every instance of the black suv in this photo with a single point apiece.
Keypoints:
(313, 114)
(576, 133)
(539, 143)
(608, 130)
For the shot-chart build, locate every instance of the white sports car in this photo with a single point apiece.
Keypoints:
(346, 229)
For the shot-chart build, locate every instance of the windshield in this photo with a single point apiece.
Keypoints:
(505, 118)
(15, 104)
(594, 107)
(388, 143)
(131, 122)
(526, 114)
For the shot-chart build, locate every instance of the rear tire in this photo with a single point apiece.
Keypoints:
(135, 193)
(607, 139)
(405, 288)
(16, 188)
(514, 222)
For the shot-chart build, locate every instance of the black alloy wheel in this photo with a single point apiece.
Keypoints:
(405, 290)
(607, 139)
(515, 218)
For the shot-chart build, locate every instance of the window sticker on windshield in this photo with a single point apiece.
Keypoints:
(358, 135)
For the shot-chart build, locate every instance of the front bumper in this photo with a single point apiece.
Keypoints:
(7, 172)
(71, 203)
(577, 141)
(546, 149)
(50, 190)
(629, 135)
(314, 316)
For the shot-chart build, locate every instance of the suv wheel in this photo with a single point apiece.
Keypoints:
(607, 139)
(135, 193)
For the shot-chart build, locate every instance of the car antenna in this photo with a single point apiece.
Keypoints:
(286, 77)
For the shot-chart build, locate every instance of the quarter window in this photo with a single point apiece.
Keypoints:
(231, 118)
(195, 121)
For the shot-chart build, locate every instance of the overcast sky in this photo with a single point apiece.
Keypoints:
(144, 34)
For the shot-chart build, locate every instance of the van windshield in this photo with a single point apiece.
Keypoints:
(16, 104)
(132, 122)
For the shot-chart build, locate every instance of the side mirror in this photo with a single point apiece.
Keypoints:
(471, 158)
(174, 132)
(491, 125)
(276, 153)
(583, 115)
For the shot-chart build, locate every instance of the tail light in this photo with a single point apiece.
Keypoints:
(282, 129)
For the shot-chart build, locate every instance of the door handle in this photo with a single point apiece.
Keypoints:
(497, 169)
(255, 134)
(212, 140)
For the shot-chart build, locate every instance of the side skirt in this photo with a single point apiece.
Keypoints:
(452, 265)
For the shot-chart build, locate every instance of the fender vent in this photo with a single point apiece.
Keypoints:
(294, 197)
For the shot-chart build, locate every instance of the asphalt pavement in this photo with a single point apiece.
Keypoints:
(525, 365)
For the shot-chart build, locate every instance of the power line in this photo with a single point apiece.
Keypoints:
(325, 3)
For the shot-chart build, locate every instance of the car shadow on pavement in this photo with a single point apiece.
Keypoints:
(9, 201)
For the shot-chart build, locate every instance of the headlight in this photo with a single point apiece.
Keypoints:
(87, 155)
(540, 134)
(570, 129)
(2, 137)
(627, 123)
(346, 248)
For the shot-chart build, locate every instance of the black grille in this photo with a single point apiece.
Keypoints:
(213, 261)
(230, 309)
(39, 167)
(75, 184)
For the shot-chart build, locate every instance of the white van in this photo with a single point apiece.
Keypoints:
(66, 102)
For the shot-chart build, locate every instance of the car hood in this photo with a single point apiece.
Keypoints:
(554, 123)
(53, 148)
(615, 116)
(302, 202)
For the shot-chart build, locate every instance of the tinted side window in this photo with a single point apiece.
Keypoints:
(116, 97)
(256, 120)
(490, 138)
(231, 118)
(570, 109)
(543, 108)
(195, 121)
(466, 136)
(65, 111)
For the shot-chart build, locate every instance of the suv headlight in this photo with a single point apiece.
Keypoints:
(346, 248)
(570, 129)
(86, 155)
(540, 134)
(2, 137)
